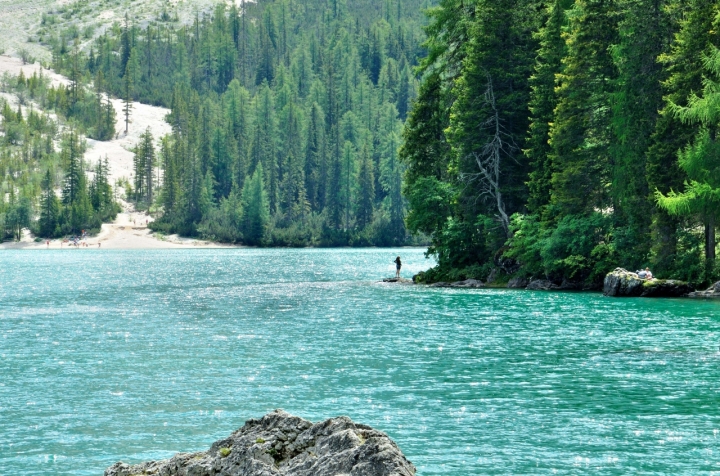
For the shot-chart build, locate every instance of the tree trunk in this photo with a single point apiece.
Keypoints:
(710, 241)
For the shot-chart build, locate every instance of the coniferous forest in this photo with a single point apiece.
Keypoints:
(561, 139)
(287, 120)
(523, 138)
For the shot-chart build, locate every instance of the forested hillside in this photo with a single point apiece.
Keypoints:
(286, 120)
(561, 139)
(40, 153)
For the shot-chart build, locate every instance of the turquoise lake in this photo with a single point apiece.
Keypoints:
(136, 355)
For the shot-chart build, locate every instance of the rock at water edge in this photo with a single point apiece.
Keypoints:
(622, 282)
(283, 444)
(713, 292)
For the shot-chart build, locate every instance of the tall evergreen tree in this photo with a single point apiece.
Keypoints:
(366, 185)
(49, 208)
(257, 208)
(543, 102)
(581, 133)
(684, 76)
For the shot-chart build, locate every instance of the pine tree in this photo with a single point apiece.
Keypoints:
(684, 76)
(143, 166)
(314, 157)
(701, 159)
(543, 101)
(500, 54)
(581, 133)
(426, 154)
(366, 199)
(128, 85)
(643, 32)
(49, 208)
(72, 159)
(347, 172)
(256, 207)
(171, 183)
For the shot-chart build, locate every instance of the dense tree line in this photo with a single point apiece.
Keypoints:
(287, 117)
(559, 139)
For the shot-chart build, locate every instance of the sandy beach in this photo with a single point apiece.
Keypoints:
(129, 231)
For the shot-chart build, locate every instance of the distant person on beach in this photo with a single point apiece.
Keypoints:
(398, 265)
(648, 273)
(48, 243)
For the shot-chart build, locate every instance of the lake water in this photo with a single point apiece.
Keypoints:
(135, 355)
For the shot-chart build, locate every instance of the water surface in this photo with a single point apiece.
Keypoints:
(132, 355)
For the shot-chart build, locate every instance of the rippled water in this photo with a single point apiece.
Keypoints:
(135, 355)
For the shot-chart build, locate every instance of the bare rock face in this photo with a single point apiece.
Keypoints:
(713, 292)
(283, 444)
(622, 282)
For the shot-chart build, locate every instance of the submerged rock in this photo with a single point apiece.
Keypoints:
(624, 283)
(518, 283)
(439, 284)
(713, 292)
(542, 285)
(283, 444)
(468, 283)
(398, 280)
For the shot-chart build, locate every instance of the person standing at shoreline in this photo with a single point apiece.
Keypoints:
(398, 265)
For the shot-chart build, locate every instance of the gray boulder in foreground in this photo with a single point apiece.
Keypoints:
(624, 283)
(283, 444)
(713, 292)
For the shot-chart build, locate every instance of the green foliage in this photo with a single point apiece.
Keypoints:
(256, 208)
(543, 102)
(314, 92)
(143, 167)
(580, 248)
(578, 90)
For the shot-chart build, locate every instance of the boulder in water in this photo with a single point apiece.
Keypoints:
(283, 444)
(624, 283)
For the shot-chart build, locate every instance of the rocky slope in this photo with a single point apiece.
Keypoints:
(283, 444)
